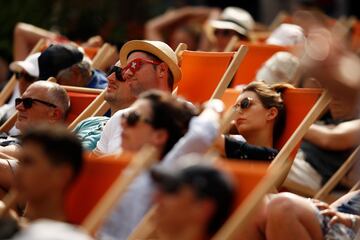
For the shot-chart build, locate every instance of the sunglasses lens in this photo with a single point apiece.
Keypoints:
(27, 102)
(18, 101)
(245, 103)
(118, 73)
(17, 75)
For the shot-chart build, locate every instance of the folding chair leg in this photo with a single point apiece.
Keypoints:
(340, 173)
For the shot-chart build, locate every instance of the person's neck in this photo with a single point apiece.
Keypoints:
(50, 208)
(118, 107)
(262, 138)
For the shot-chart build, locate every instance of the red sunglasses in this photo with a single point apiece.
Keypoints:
(136, 64)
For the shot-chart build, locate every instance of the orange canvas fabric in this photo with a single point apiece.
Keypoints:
(257, 54)
(201, 73)
(79, 101)
(97, 176)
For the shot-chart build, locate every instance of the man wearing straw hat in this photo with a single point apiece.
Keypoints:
(145, 65)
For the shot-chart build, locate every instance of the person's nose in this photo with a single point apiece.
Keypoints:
(20, 107)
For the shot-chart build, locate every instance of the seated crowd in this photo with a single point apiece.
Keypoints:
(41, 160)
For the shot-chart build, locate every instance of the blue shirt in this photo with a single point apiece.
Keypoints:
(98, 80)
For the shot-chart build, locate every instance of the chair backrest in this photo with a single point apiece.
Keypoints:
(298, 103)
(257, 54)
(246, 175)
(79, 101)
(201, 73)
(229, 97)
(96, 178)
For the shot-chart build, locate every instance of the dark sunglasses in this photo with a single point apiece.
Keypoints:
(118, 73)
(25, 76)
(132, 118)
(244, 104)
(28, 102)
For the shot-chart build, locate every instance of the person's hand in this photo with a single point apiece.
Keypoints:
(320, 205)
(213, 108)
(348, 220)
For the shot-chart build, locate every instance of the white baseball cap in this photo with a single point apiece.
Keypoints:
(30, 65)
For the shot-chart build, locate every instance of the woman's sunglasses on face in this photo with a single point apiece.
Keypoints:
(28, 102)
(25, 76)
(133, 118)
(243, 104)
(133, 66)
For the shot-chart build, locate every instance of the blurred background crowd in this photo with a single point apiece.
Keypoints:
(119, 21)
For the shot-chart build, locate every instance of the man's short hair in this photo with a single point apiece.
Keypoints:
(58, 95)
(206, 181)
(58, 143)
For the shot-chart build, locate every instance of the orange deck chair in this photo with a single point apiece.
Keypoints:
(299, 103)
(255, 179)
(257, 54)
(97, 176)
(303, 107)
(203, 71)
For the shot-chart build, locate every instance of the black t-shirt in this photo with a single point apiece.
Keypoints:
(238, 149)
(325, 162)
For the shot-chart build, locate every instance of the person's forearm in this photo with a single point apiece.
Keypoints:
(331, 139)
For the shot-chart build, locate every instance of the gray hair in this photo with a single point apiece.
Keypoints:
(57, 95)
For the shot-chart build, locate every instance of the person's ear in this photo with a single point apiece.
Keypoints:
(272, 113)
(63, 175)
(160, 137)
(162, 72)
(55, 115)
(205, 209)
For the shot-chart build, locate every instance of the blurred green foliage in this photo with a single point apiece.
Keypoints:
(115, 20)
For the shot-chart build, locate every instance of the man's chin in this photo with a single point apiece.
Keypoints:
(20, 125)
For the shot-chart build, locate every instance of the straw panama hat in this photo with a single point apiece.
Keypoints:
(158, 48)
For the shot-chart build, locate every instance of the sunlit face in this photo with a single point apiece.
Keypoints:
(252, 118)
(136, 127)
(36, 176)
(38, 111)
(177, 210)
(117, 92)
(145, 78)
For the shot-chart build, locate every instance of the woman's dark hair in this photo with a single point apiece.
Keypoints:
(169, 113)
(271, 96)
(60, 145)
